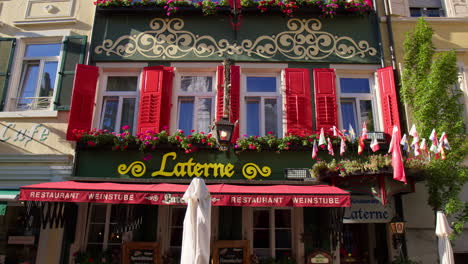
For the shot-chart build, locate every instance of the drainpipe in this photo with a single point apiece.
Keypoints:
(391, 43)
(379, 33)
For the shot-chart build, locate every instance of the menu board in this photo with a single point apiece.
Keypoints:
(141, 253)
(231, 252)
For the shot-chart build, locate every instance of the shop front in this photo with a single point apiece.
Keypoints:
(265, 217)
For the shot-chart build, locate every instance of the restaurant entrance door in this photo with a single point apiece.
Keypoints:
(364, 244)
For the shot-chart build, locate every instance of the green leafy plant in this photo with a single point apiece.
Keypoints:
(428, 82)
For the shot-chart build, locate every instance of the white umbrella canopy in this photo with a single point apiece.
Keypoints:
(443, 232)
(197, 224)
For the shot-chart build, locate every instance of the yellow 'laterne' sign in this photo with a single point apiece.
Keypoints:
(193, 169)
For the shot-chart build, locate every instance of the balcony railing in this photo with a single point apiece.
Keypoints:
(31, 103)
(426, 12)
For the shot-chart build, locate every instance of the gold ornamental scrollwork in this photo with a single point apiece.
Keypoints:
(250, 171)
(304, 40)
(137, 169)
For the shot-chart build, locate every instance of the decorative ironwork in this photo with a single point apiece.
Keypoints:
(31, 103)
(303, 40)
(129, 217)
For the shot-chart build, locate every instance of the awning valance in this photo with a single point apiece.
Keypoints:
(171, 194)
(9, 194)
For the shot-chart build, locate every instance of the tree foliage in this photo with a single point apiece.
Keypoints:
(429, 91)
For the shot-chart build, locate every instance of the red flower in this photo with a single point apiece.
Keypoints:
(91, 143)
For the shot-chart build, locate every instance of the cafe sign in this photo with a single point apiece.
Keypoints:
(191, 168)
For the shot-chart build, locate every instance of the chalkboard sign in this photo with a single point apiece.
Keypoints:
(231, 251)
(319, 256)
(141, 253)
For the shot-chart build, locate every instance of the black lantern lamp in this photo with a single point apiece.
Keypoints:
(224, 130)
(397, 226)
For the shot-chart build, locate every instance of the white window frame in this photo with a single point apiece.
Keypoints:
(170, 226)
(107, 70)
(16, 82)
(272, 229)
(244, 95)
(192, 69)
(107, 224)
(374, 97)
(122, 95)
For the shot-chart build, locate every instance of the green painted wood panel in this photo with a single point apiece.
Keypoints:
(275, 38)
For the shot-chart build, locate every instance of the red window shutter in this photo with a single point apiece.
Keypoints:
(235, 100)
(166, 98)
(298, 104)
(220, 95)
(325, 99)
(388, 99)
(82, 104)
(155, 99)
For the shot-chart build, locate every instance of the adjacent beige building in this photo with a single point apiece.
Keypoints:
(449, 20)
(40, 43)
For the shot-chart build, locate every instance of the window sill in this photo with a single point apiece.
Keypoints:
(429, 19)
(63, 21)
(28, 114)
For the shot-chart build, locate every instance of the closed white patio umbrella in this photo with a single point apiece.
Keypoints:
(443, 232)
(197, 224)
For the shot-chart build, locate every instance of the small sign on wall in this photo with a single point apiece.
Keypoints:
(21, 240)
(141, 253)
(231, 251)
(367, 209)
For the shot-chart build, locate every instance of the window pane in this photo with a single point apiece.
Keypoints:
(261, 238)
(128, 112)
(367, 114)
(99, 214)
(110, 106)
(261, 84)
(96, 233)
(283, 238)
(114, 237)
(30, 77)
(196, 83)
(354, 85)
(186, 105)
(48, 79)
(261, 219)
(271, 116)
(253, 118)
(177, 222)
(178, 215)
(282, 218)
(43, 50)
(348, 114)
(203, 115)
(122, 84)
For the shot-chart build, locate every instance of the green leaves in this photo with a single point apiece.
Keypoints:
(429, 90)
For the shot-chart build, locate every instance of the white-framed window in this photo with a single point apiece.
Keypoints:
(272, 232)
(117, 101)
(194, 96)
(357, 102)
(38, 75)
(261, 111)
(426, 8)
(176, 227)
(102, 228)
